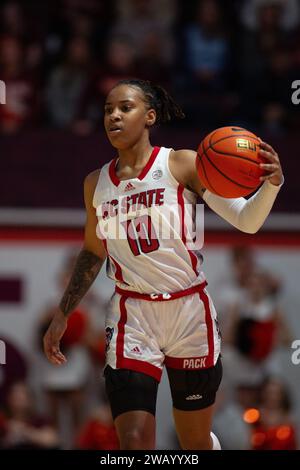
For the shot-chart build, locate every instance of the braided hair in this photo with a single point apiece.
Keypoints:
(158, 98)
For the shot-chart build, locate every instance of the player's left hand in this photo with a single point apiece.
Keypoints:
(273, 167)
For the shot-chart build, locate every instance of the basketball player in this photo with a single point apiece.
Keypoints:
(161, 313)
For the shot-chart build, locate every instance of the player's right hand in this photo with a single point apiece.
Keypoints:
(52, 339)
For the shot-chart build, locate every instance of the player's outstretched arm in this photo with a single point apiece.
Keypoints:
(87, 267)
(246, 215)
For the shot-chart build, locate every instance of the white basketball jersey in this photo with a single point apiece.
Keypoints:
(145, 224)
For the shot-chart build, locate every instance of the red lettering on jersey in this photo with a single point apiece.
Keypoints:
(159, 200)
(150, 194)
(134, 198)
(142, 201)
(134, 202)
(125, 205)
(113, 208)
(105, 210)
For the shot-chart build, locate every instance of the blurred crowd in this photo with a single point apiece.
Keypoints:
(45, 406)
(224, 61)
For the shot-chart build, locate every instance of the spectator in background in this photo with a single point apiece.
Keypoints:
(98, 432)
(274, 428)
(232, 285)
(230, 407)
(140, 19)
(119, 64)
(13, 22)
(20, 23)
(289, 17)
(267, 67)
(203, 60)
(20, 425)
(255, 328)
(67, 83)
(22, 101)
(207, 46)
(15, 370)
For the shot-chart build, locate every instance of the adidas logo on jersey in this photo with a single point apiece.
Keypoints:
(129, 186)
(194, 397)
(136, 350)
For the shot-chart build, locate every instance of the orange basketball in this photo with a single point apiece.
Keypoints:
(228, 162)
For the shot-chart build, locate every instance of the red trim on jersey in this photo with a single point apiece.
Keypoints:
(210, 330)
(143, 173)
(149, 163)
(124, 362)
(162, 297)
(180, 200)
(118, 271)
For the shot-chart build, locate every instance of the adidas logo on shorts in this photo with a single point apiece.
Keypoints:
(194, 397)
(136, 350)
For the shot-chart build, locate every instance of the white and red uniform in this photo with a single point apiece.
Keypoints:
(161, 312)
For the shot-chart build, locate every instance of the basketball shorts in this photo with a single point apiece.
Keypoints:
(145, 335)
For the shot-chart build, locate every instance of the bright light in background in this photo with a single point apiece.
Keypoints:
(251, 415)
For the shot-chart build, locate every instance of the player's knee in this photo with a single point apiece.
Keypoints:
(135, 439)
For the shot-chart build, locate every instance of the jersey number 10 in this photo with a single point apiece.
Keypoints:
(141, 235)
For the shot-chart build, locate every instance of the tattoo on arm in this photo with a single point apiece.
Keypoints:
(85, 272)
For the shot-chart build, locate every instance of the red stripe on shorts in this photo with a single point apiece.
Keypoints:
(209, 325)
(125, 362)
(200, 362)
(118, 270)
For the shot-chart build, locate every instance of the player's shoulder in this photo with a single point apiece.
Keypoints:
(183, 155)
(90, 184)
(91, 180)
(183, 159)
(182, 165)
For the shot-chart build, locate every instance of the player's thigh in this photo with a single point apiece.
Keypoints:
(195, 389)
(193, 394)
(128, 390)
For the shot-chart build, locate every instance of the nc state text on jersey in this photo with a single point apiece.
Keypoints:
(134, 202)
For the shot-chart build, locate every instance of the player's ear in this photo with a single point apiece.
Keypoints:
(150, 117)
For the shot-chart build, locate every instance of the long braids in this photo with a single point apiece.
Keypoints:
(157, 98)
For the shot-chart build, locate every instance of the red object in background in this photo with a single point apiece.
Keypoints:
(98, 436)
(281, 437)
(2, 425)
(76, 329)
(98, 350)
(262, 338)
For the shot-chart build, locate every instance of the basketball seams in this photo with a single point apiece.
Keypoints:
(204, 171)
(223, 174)
(205, 174)
(210, 146)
